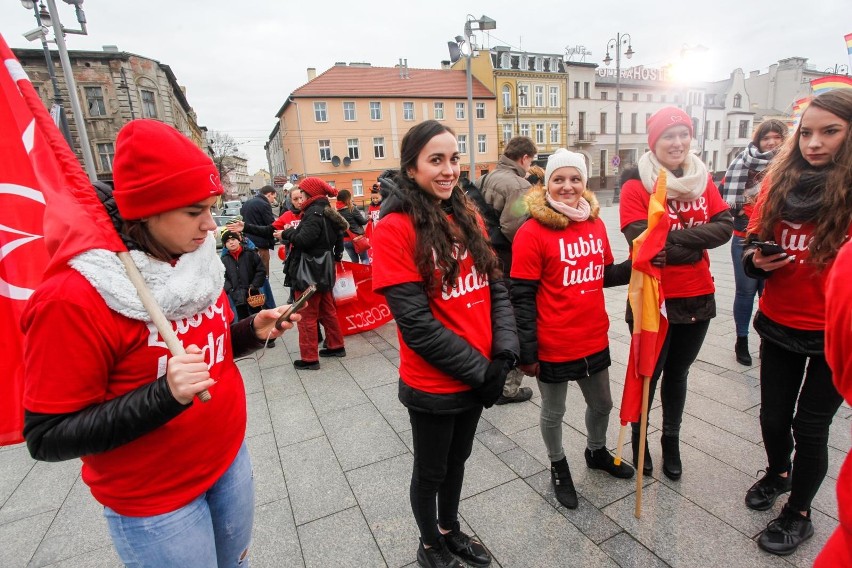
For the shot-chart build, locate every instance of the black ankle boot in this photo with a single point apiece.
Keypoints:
(741, 349)
(648, 466)
(671, 457)
(563, 485)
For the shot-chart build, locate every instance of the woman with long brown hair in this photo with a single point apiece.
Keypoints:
(434, 265)
(805, 206)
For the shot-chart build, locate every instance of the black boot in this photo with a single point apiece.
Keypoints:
(602, 459)
(671, 457)
(563, 485)
(741, 349)
(648, 466)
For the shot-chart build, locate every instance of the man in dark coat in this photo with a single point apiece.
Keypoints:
(258, 211)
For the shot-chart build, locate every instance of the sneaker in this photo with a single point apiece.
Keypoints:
(339, 352)
(741, 350)
(602, 459)
(763, 494)
(309, 365)
(563, 485)
(468, 548)
(784, 534)
(437, 556)
(524, 394)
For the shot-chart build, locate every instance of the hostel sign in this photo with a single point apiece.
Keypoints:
(640, 73)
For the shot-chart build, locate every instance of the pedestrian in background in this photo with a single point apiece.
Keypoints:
(804, 205)
(357, 221)
(442, 283)
(258, 211)
(244, 273)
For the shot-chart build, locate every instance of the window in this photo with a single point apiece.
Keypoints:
(743, 129)
(586, 91)
(729, 130)
(539, 133)
(525, 130)
(95, 98)
(539, 95)
(738, 101)
(706, 129)
(603, 163)
(621, 96)
(554, 97)
(507, 96)
(633, 119)
(358, 187)
(507, 133)
(320, 112)
(379, 147)
(481, 142)
(480, 110)
(635, 96)
(462, 140)
(662, 98)
(325, 150)
(717, 129)
(407, 111)
(604, 96)
(376, 110)
(459, 111)
(620, 126)
(106, 153)
(603, 123)
(554, 133)
(354, 148)
(149, 104)
(576, 89)
(349, 111)
(649, 97)
(439, 111)
(647, 118)
(523, 95)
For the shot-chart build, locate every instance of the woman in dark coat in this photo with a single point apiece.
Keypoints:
(357, 221)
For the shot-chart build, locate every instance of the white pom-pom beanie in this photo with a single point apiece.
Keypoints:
(563, 158)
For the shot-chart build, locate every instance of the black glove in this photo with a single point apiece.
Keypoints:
(495, 378)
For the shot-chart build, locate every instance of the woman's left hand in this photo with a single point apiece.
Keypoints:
(264, 323)
(236, 227)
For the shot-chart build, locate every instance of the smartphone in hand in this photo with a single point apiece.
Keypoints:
(768, 248)
(295, 306)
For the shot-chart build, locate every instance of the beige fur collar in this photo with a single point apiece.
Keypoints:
(547, 216)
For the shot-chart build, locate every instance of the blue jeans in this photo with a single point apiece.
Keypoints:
(213, 530)
(746, 288)
(362, 258)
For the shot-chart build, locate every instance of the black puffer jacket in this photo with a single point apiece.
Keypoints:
(437, 345)
(356, 219)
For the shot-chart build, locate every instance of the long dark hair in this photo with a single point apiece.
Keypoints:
(138, 232)
(436, 238)
(785, 171)
(767, 126)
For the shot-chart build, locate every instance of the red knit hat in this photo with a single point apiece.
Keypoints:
(664, 119)
(315, 187)
(157, 169)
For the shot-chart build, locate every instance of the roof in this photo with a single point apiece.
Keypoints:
(385, 82)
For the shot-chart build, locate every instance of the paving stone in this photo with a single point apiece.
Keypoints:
(484, 470)
(15, 464)
(359, 436)
(514, 417)
(386, 400)
(269, 484)
(44, 488)
(105, 557)
(724, 446)
(495, 440)
(371, 371)
(629, 553)
(519, 461)
(728, 419)
(281, 382)
(21, 537)
(274, 541)
(315, 482)
(331, 391)
(342, 540)
(293, 420)
(728, 392)
(252, 378)
(258, 415)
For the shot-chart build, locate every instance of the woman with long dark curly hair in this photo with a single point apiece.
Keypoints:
(434, 265)
(805, 206)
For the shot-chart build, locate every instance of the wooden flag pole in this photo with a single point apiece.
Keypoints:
(643, 433)
(620, 447)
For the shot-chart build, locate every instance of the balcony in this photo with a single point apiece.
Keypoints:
(584, 138)
(509, 111)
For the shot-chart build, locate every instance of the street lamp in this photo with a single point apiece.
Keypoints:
(463, 46)
(617, 43)
(838, 69)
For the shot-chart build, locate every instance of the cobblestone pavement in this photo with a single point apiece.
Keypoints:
(332, 458)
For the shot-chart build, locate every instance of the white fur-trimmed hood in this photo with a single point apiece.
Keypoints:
(191, 285)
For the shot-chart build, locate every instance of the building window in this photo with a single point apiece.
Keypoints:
(621, 96)
(717, 129)
(603, 123)
(354, 148)
(106, 153)
(523, 95)
(586, 90)
(554, 133)
(649, 97)
(729, 130)
(407, 111)
(325, 150)
(554, 97)
(379, 147)
(539, 95)
(481, 143)
(738, 101)
(620, 126)
(525, 130)
(706, 129)
(460, 111)
(95, 98)
(349, 111)
(149, 104)
(507, 96)
(507, 132)
(647, 118)
(635, 96)
(633, 119)
(743, 129)
(603, 163)
(462, 140)
(439, 111)
(320, 112)
(358, 187)
(376, 110)
(576, 89)
(539, 133)
(662, 98)
(480, 110)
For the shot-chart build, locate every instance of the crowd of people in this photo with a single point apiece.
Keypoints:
(489, 282)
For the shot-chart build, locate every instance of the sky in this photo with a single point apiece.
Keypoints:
(240, 60)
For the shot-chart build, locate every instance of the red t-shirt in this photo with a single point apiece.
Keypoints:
(287, 218)
(681, 280)
(464, 310)
(569, 263)
(373, 216)
(78, 352)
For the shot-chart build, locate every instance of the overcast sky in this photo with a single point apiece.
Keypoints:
(239, 60)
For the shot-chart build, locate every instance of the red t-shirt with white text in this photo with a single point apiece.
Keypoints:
(570, 315)
(464, 310)
(678, 280)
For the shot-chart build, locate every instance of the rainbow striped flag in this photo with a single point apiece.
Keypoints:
(829, 82)
(848, 38)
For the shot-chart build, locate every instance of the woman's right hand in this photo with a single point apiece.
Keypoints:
(771, 262)
(188, 375)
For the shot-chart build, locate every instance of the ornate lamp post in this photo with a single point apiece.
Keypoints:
(616, 44)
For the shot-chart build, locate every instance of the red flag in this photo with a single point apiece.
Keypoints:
(647, 303)
(49, 213)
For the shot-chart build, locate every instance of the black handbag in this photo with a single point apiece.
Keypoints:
(315, 270)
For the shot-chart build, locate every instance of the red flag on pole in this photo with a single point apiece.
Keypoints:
(49, 213)
(647, 303)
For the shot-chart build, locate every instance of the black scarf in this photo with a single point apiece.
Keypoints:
(804, 202)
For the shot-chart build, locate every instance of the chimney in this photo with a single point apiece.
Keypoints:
(401, 72)
(111, 48)
(753, 74)
(445, 64)
(405, 66)
(312, 73)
